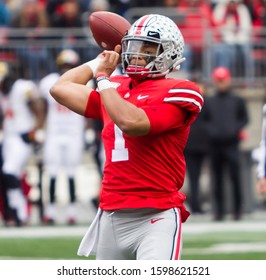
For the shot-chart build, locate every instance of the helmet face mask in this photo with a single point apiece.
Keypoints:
(163, 35)
(140, 55)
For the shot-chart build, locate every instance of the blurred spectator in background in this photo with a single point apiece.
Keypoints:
(84, 4)
(250, 4)
(4, 14)
(34, 57)
(99, 5)
(135, 8)
(146, 3)
(31, 15)
(233, 27)
(64, 142)
(225, 116)
(196, 153)
(119, 6)
(259, 19)
(23, 117)
(260, 13)
(67, 15)
(13, 7)
(259, 36)
(197, 20)
(53, 8)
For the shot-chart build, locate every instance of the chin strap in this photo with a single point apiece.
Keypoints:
(137, 73)
(159, 75)
(176, 65)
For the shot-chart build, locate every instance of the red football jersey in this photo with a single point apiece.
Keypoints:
(147, 171)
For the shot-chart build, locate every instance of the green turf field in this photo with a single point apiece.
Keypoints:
(225, 246)
(205, 246)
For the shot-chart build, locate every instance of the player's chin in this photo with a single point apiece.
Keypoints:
(139, 65)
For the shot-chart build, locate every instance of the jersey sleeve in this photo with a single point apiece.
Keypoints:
(164, 117)
(187, 96)
(93, 107)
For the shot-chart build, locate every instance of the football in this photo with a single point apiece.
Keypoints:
(108, 28)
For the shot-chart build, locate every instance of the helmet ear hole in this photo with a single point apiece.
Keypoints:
(174, 56)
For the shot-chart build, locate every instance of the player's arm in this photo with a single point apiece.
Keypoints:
(129, 118)
(70, 89)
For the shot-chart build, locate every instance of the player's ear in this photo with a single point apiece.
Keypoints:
(118, 48)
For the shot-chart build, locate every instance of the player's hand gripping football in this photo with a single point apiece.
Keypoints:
(109, 61)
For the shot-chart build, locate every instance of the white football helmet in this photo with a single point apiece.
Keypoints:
(156, 29)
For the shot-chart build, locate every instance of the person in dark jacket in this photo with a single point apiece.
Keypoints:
(225, 117)
(196, 153)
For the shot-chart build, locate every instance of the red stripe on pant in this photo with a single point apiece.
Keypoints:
(178, 237)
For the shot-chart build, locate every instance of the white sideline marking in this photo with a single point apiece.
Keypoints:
(228, 248)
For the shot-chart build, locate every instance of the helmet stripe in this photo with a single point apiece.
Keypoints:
(141, 24)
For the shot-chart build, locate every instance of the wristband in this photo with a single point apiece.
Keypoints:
(100, 76)
(103, 82)
(93, 65)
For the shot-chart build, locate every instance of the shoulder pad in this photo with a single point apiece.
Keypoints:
(187, 95)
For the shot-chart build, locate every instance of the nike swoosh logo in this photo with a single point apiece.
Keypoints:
(156, 220)
(142, 97)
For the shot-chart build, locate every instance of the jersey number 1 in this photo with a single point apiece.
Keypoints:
(120, 152)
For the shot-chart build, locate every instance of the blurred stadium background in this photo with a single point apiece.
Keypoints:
(203, 238)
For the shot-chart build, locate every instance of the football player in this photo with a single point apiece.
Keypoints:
(23, 118)
(64, 141)
(147, 118)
